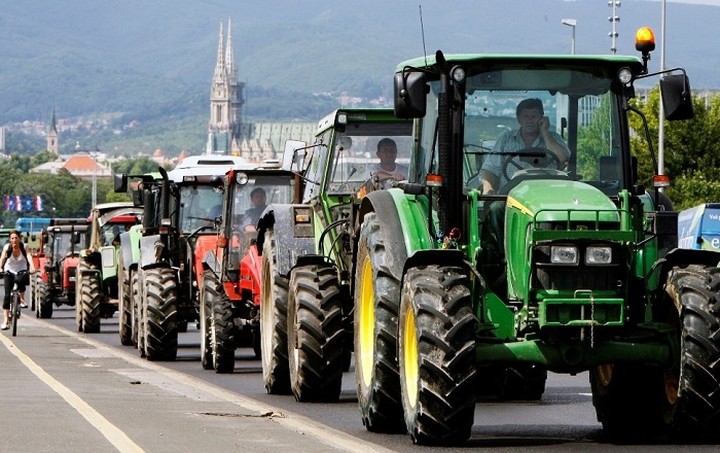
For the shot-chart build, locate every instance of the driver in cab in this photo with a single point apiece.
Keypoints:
(534, 132)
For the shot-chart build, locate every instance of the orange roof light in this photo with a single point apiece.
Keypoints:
(433, 180)
(661, 181)
(645, 40)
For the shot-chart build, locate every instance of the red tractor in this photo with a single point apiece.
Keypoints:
(230, 293)
(56, 261)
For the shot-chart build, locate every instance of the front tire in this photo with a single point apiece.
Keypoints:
(630, 400)
(223, 333)
(377, 298)
(273, 322)
(124, 308)
(437, 355)
(315, 333)
(207, 293)
(695, 290)
(88, 305)
(43, 300)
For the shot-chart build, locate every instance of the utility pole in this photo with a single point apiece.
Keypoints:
(614, 19)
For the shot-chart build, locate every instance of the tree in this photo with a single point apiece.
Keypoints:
(691, 154)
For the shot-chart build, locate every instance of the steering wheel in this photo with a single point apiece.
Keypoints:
(535, 155)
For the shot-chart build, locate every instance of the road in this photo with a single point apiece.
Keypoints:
(67, 390)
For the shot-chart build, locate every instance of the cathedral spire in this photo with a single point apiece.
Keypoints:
(229, 63)
(52, 136)
(220, 65)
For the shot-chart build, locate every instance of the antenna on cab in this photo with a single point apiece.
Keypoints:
(422, 30)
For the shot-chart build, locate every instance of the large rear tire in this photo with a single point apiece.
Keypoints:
(273, 322)
(377, 298)
(696, 290)
(437, 355)
(160, 317)
(315, 333)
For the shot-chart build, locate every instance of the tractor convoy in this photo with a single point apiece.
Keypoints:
(450, 256)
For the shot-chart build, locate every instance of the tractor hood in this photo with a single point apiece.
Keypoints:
(552, 206)
(551, 200)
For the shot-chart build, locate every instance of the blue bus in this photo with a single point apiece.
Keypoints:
(31, 224)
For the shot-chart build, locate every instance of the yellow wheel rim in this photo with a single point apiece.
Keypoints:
(604, 373)
(366, 334)
(672, 386)
(410, 357)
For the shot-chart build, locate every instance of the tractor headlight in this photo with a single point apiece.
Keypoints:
(598, 255)
(563, 254)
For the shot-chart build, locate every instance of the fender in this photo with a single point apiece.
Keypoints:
(149, 256)
(677, 257)
(292, 239)
(393, 208)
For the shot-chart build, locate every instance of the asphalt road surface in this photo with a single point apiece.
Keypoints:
(68, 391)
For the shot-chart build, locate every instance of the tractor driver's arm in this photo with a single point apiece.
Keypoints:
(552, 143)
(489, 181)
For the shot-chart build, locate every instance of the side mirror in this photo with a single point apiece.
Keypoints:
(410, 90)
(120, 183)
(676, 97)
(293, 155)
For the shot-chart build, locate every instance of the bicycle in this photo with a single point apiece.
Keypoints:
(15, 301)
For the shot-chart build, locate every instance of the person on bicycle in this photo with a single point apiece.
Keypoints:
(13, 259)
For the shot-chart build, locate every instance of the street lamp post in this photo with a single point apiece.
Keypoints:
(571, 23)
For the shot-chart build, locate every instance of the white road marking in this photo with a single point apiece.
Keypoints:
(111, 432)
(288, 420)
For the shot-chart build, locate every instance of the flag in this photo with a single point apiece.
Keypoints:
(18, 203)
(38, 203)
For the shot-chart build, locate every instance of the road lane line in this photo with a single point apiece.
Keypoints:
(111, 432)
(288, 420)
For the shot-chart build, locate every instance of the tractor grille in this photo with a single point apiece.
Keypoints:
(571, 278)
(562, 277)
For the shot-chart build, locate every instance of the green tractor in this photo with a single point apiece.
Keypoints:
(569, 266)
(308, 254)
(96, 274)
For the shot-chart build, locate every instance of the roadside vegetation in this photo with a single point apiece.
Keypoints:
(691, 160)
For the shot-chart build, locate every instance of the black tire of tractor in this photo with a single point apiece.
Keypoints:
(136, 303)
(160, 299)
(223, 333)
(437, 355)
(124, 307)
(524, 382)
(207, 292)
(377, 300)
(273, 322)
(630, 401)
(43, 300)
(315, 333)
(89, 302)
(696, 289)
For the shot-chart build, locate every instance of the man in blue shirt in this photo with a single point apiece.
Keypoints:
(534, 132)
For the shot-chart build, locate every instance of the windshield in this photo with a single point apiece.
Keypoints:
(63, 246)
(199, 206)
(249, 202)
(356, 158)
(579, 109)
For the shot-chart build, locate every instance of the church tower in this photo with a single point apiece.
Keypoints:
(225, 100)
(52, 137)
